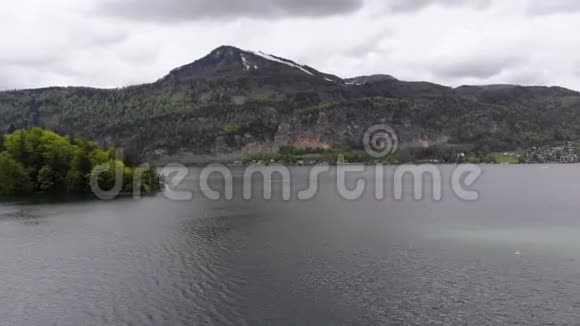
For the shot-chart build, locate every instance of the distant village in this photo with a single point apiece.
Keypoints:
(568, 153)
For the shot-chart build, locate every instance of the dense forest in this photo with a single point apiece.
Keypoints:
(234, 103)
(35, 160)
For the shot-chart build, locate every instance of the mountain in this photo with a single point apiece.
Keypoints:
(233, 102)
(361, 80)
(227, 62)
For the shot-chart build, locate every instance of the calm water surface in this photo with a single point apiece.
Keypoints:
(326, 261)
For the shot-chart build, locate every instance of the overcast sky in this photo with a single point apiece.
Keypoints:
(111, 43)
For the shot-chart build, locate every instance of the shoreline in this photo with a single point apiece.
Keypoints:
(232, 165)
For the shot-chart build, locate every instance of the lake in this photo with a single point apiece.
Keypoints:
(511, 257)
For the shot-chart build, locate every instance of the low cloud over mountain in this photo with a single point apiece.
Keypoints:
(170, 10)
(114, 43)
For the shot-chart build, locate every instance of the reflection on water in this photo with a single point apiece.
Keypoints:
(323, 262)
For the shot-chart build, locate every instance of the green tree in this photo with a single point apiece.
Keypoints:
(47, 179)
(21, 151)
(75, 182)
(35, 159)
(13, 177)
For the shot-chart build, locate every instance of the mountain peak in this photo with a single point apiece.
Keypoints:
(225, 50)
(231, 62)
(361, 80)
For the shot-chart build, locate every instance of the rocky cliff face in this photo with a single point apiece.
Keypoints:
(234, 102)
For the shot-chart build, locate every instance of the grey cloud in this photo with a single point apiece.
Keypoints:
(171, 10)
(577, 68)
(366, 46)
(415, 5)
(105, 40)
(527, 76)
(40, 60)
(549, 7)
(17, 77)
(481, 68)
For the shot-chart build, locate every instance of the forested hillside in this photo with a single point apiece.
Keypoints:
(233, 102)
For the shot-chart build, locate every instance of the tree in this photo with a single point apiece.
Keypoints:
(47, 179)
(151, 179)
(81, 161)
(75, 182)
(35, 159)
(21, 151)
(13, 177)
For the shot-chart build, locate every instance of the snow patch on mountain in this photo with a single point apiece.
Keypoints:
(245, 62)
(288, 63)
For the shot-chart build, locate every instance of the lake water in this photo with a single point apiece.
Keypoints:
(510, 258)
